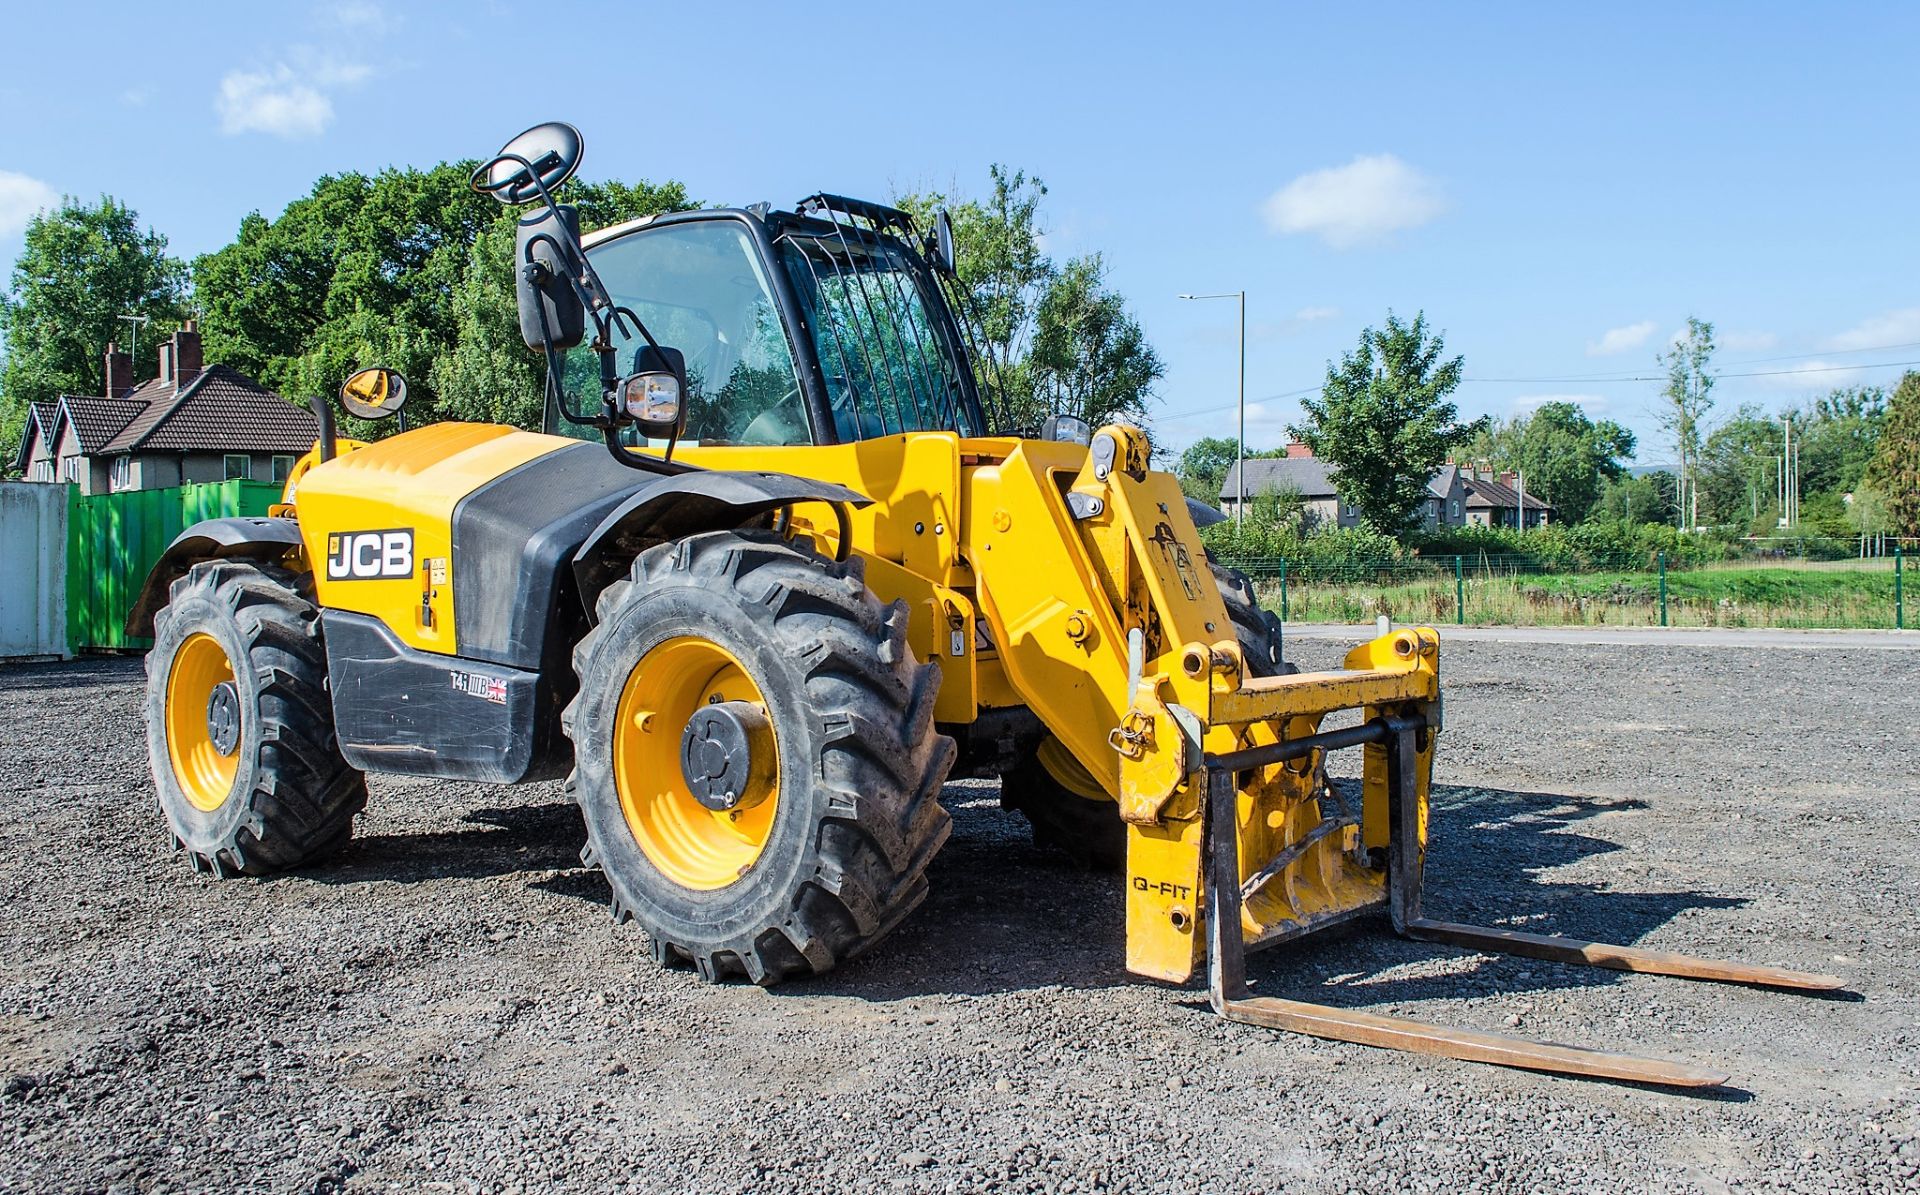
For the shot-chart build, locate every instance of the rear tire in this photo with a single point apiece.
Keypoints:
(855, 811)
(1051, 789)
(282, 795)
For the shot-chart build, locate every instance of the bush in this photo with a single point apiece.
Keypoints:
(1258, 548)
(1595, 544)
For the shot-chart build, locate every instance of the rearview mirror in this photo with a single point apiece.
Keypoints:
(536, 161)
(551, 313)
(942, 246)
(374, 393)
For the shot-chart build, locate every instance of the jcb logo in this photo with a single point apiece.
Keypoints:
(369, 555)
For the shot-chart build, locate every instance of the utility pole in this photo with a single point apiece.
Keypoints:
(1240, 449)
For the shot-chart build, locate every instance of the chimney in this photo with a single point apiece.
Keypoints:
(180, 361)
(1508, 478)
(119, 371)
(1298, 451)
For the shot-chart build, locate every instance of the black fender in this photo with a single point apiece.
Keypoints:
(675, 507)
(210, 539)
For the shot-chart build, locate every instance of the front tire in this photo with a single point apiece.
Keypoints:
(839, 810)
(239, 725)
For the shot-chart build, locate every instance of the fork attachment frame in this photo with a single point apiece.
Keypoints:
(1227, 948)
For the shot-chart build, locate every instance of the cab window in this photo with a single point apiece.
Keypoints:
(700, 288)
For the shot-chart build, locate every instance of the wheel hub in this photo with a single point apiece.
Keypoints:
(726, 756)
(223, 718)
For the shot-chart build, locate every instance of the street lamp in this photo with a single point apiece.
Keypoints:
(1240, 449)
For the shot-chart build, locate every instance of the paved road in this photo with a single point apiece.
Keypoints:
(1642, 636)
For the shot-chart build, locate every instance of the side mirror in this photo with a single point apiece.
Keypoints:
(653, 396)
(551, 313)
(534, 163)
(942, 243)
(374, 393)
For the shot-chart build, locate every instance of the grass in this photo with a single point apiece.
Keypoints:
(1794, 597)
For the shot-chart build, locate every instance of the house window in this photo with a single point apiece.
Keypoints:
(122, 472)
(239, 467)
(70, 469)
(282, 466)
(1456, 508)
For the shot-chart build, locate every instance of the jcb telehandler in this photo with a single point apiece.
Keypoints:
(778, 564)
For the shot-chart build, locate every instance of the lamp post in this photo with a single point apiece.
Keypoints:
(1240, 448)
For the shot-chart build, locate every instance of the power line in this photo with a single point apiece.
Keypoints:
(1757, 373)
(1598, 378)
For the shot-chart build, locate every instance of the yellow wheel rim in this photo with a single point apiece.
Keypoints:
(1069, 772)
(199, 726)
(692, 845)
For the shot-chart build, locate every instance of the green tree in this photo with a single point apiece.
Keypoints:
(1835, 438)
(489, 374)
(399, 269)
(82, 267)
(1565, 456)
(1630, 499)
(1089, 357)
(1050, 337)
(1740, 468)
(1384, 421)
(1203, 467)
(1894, 473)
(1687, 398)
(1001, 275)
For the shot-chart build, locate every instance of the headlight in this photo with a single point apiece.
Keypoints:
(1067, 429)
(652, 399)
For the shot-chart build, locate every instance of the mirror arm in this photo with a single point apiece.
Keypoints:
(326, 440)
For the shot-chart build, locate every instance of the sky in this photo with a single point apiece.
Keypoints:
(1557, 186)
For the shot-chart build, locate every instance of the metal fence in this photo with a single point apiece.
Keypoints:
(1762, 589)
(113, 541)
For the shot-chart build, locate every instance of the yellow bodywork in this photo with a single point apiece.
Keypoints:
(1066, 578)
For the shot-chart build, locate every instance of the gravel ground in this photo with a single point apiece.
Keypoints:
(446, 1006)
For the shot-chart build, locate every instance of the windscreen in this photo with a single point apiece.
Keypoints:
(699, 287)
(890, 365)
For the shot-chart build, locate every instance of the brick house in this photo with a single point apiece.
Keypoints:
(1312, 478)
(192, 423)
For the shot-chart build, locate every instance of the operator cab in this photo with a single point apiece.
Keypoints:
(809, 327)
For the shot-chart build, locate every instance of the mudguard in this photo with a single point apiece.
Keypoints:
(210, 539)
(675, 507)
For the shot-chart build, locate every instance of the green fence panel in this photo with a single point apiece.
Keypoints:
(113, 541)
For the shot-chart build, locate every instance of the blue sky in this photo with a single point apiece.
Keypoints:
(1557, 186)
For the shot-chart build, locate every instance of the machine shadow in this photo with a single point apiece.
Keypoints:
(1004, 916)
(501, 841)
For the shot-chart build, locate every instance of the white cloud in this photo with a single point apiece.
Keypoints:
(1814, 374)
(1356, 204)
(1275, 329)
(1892, 327)
(1747, 342)
(1590, 403)
(274, 102)
(1619, 340)
(20, 198)
(358, 16)
(284, 102)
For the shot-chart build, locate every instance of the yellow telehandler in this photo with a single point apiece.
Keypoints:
(782, 562)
